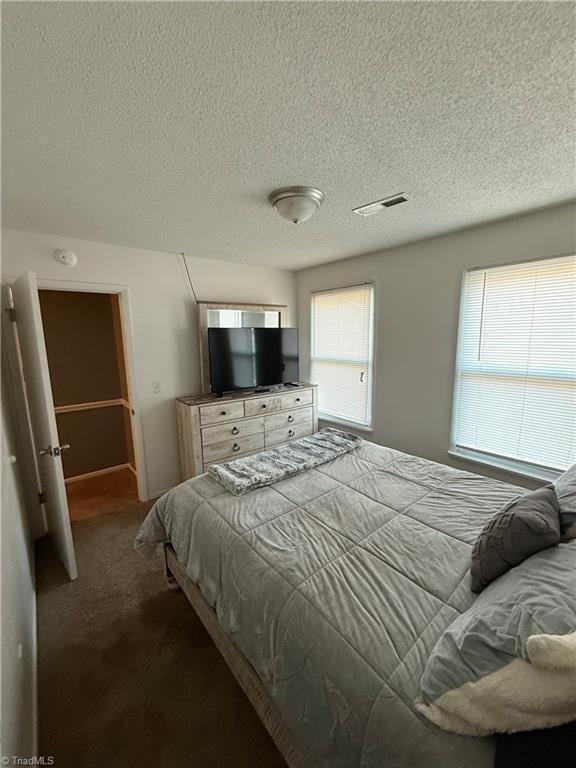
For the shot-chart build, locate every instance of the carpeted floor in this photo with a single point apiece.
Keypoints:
(128, 677)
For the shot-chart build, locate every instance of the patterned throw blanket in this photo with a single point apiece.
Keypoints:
(246, 474)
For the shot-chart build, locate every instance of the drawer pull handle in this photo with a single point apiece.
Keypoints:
(297, 399)
(264, 405)
(290, 433)
(235, 447)
(290, 419)
(235, 431)
(222, 413)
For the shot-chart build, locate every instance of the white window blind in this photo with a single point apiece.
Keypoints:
(341, 365)
(515, 395)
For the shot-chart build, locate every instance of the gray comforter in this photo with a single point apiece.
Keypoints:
(336, 584)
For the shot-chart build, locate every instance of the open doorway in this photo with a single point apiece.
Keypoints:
(87, 362)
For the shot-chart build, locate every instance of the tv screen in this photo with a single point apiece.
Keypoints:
(246, 358)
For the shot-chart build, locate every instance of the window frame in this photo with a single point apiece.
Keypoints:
(511, 466)
(363, 426)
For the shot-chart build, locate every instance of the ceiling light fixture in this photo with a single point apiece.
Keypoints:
(296, 204)
(387, 202)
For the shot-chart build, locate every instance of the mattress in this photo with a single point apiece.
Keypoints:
(336, 584)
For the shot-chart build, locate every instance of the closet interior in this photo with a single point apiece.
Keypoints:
(86, 358)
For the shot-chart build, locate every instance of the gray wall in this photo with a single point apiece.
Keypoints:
(417, 305)
(18, 613)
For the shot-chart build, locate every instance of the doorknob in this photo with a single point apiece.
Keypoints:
(56, 451)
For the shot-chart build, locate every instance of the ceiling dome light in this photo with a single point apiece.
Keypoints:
(296, 204)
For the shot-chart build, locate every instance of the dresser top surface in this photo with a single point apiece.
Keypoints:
(244, 394)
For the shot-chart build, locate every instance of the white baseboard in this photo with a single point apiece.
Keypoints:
(157, 494)
(98, 472)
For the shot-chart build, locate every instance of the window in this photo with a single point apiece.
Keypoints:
(342, 323)
(515, 389)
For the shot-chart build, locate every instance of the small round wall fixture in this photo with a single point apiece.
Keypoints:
(296, 204)
(67, 258)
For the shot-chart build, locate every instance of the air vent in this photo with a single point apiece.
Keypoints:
(379, 205)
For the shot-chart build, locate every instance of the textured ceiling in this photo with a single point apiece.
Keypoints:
(165, 125)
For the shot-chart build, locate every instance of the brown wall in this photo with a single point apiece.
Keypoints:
(119, 343)
(127, 418)
(97, 439)
(80, 340)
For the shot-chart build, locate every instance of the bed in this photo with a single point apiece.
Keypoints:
(326, 593)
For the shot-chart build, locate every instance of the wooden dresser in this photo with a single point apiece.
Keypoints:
(213, 429)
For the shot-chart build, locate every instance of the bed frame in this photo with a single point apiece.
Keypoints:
(242, 670)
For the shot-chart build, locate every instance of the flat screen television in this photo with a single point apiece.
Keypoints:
(249, 358)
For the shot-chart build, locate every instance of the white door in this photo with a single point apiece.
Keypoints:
(37, 379)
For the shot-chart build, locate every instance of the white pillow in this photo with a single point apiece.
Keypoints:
(565, 488)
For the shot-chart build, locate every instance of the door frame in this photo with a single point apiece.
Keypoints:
(123, 292)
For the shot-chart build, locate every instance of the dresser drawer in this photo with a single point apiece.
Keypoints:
(296, 399)
(212, 414)
(232, 429)
(258, 406)
(286, 434)
(287, 418)
(228, 449)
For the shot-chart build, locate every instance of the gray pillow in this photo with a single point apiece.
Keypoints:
(565, 488)
(522, 528)
(508, 663)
